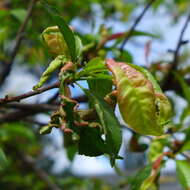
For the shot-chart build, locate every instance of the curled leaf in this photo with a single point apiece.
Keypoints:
(55, 64)
(142, 104)
(55, 42)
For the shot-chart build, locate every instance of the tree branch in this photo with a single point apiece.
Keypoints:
(29, 107)
(24, 110)
(180, 41)
(168, 80)
(135, 24)
(17, 115)
(7, 68)
(8, 99)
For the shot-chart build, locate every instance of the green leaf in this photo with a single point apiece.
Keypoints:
(142, 33)
(110, 124)
(91, 143)
(185, 113)
(70, 146)
(157, 4)
(71, 152)
(19, 14)
(3, 159)
(55, 64)
(126, 56)
(140, 177)
(97, 76)
(100, 86)
(94, 66)
(156, 149)
(64, 29)
(45, 130)
(3, 33)
(186, 146)
(184, 86)
(79, 46)
(10, 131)
(183, 173)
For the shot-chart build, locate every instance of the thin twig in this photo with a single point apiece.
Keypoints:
(174, 63)
(23, 111)
(17, 115)
(35, 107)
(8, 99)
(180, 41)
(7, 68)
(135, 24)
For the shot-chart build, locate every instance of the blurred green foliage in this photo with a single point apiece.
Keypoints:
(21, 146)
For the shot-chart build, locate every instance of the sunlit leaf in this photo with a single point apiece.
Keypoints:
(19, 14)
(94, 66)
(183, 173)
(64, 29)
(137, 97)
(140, 177)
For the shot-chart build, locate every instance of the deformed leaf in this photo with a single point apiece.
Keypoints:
(162, 103)
(136, 98)
(55, 42)
(55, 64)
(183, 173)
(64, 29)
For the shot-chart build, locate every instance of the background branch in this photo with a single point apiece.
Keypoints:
(25, 110)
(7, 68)
(169, 79)
(135, 24)
(35, 107)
